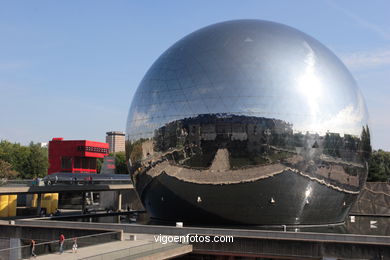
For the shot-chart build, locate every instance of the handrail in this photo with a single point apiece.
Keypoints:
(56, 241)
(30, 183)
(53, 245)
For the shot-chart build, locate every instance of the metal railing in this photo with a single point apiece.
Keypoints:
(23, 252)
(29, 183)
(86, 182)
(22, 183)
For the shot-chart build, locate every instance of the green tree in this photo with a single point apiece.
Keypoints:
(99, 164)
(13, 154)
(6, 170)
(120, 162)
(379, 166)
(332, 144)
(28, 161)
(37, 161)
(366, 143)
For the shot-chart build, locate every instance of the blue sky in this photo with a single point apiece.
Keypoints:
(70, 68)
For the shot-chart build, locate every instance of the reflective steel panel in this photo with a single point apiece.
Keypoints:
(250, 115)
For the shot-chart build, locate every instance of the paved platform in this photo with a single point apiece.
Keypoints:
(142, 248)
(217, 231)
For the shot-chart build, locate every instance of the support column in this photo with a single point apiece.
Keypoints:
(83, 202)
(39, 202)
(119, 206)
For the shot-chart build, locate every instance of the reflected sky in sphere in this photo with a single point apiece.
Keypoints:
(251, 68)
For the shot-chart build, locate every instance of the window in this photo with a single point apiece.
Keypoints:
(77, 162)
(66, 162)
(92, 163)
(84, 163)
(92, 149)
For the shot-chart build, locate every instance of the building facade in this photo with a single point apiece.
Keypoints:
(116, 141)
(75, 156)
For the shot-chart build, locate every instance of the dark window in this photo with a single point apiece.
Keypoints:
(92, 149)
(85, 163)
(66, 162)
(92, 163)
(77, 162)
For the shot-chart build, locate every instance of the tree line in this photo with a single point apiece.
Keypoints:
(23, 162)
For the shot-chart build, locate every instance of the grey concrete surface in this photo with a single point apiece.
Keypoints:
(245, 233)
(95, 250)
(254, 243)
(127, 249)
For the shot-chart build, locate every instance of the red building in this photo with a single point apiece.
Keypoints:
(75, 155)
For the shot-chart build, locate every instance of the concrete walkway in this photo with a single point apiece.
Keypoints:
(90, 251)
(129, 249)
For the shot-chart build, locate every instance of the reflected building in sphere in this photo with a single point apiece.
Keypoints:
(249, 122)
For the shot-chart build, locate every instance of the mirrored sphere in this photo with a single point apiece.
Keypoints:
(249, 122)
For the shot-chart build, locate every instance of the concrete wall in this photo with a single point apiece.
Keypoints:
(296, 249)
(259, 242)
(48, 233)
(109, 199)
(19, 237)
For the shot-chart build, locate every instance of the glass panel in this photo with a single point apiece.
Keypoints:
(66, 162)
